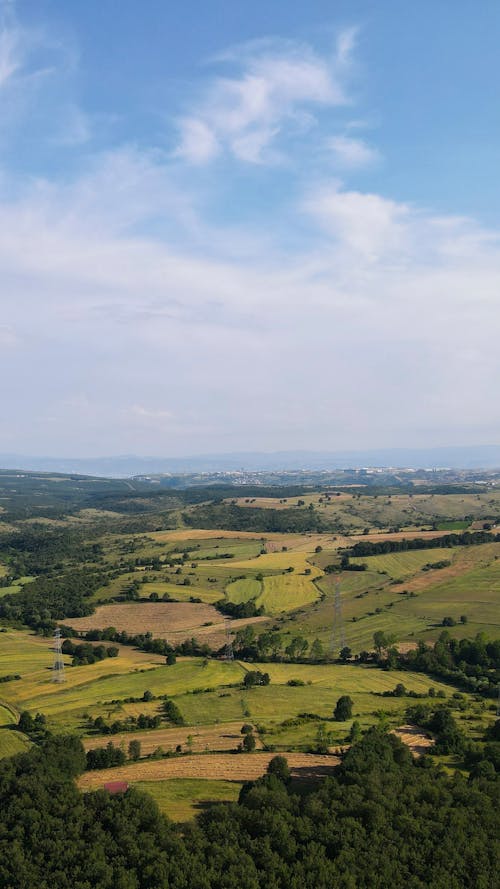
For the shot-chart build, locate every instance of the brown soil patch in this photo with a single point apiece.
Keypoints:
(214, 738)
(416, 740)
(221, 766)
(174, 621)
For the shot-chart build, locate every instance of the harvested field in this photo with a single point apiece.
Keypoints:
(175, 621)
(416, 740)
(213, 738)
(162, 618)
(225, 766)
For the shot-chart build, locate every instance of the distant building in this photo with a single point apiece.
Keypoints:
(116, 786)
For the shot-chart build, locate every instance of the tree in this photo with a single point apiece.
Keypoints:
(345, 654)
(317, 652)
(280, 768)
(148, 696)
(343, 709)
(134, 750)
(354, 732)
(255, 677)
(170, 659)
(249, 743)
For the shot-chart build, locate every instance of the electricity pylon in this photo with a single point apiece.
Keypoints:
(58, 666)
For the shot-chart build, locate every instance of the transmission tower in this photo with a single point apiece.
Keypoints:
(228, 652)
(58, 667)
(338, 635)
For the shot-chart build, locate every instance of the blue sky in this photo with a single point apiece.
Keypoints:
(232, 226)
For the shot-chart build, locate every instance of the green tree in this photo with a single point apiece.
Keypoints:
(134, 750)
(343, 708)
(279, 767)
(249, 743)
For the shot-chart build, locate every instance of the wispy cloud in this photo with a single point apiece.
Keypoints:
(278, 86)
(352, 154)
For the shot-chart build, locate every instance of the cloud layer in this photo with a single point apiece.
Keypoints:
(136, 318)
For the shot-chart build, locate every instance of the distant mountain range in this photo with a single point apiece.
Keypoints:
(481, 457)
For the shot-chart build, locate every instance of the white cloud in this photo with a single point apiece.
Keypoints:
(278, 87)
(367, 224)
(164, 341)
(352, 154)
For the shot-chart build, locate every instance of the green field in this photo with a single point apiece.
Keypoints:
(12, 742)
(182, 798)
(403, 565)
(243, 590)
(15, 586)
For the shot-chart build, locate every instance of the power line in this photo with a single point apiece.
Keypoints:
(58, 666)
(337, 641)
(228, 651)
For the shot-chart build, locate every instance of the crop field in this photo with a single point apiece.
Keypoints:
(220, 766)
(183, 798)
(164, 618)
(243, 590)
(173, 621)
(287, 592)
(199, 739)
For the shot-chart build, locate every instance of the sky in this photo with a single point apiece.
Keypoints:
(232, 226)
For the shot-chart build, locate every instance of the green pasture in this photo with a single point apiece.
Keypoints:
(15, 587)
(403, 565)
(8, 715)
(241, 549)
(112, 679)
(243, 590)
(183, 798)
(12, 742)
(179, 591)
(278, 701)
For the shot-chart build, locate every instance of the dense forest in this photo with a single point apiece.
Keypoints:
(384, 820)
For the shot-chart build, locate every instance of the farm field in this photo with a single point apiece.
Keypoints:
(183, 798)
(243, 590)
(12, 742)
(284, 574)
(173, 621)
(220, 766)
(198, 739)
(357, 510)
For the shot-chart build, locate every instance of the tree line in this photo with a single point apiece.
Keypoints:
(381, 821)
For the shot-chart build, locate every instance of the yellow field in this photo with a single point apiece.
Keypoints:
(213, 738)
(285, 592)
(219, 766)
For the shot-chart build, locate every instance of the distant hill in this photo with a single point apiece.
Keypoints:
(480, 457)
